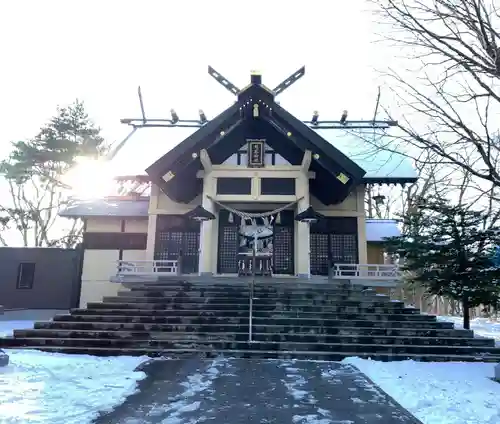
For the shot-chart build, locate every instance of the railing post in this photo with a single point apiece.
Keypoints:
(179, 263)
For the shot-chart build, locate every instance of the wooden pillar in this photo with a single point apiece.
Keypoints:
(302, 231)
(208, 246)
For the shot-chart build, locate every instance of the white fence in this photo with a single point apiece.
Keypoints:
(339, 271)
(167, 267)
(366, 271)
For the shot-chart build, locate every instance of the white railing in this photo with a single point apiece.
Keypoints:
(167, 267)
(368, 271)
(339, 271)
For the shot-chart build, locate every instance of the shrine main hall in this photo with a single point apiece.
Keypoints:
(254, 189)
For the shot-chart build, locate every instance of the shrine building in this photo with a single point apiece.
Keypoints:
(253, 190)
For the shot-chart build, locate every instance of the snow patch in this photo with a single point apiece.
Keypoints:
(53, 388)
(438, 393)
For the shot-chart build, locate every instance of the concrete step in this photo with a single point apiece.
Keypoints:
(262, 354)
(234, 328)
(300, 321)
(122, 298)
(403, 314)
(260, 337)
(329, 310)
(262, 310)
(165, 312)
(245, 345)
(277, 290)
(396, 322)
(257, 302)
(214, 306)
(246, 293)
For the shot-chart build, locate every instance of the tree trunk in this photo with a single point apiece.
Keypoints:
(466, 310)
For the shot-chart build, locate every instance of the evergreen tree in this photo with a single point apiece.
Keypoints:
(33, 175)
(448, 250)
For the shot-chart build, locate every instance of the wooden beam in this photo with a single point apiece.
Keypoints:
(228, 85)
(306, 161)
(282, 86)
(205, 160)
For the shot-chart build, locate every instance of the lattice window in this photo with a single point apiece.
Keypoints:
(344, 248)
(190, 252)
(319, 254)
(228, 250)
(171, 243)
(283, 250)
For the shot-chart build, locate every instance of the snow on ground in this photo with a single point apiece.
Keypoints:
(483, 327)
(7, 327)
(438, 393)
(51, 388)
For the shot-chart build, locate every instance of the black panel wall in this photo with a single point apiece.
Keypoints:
(279, 186)
(234, 186)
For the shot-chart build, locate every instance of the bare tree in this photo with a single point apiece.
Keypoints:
(448, 89)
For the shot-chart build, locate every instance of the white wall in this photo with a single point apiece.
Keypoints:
(98, 267)
(103, 225)
(101, 264)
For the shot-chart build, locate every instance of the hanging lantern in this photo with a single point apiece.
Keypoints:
(230, 218)
(309, 216)
(200, 214)
(379, 199)
(278, 218)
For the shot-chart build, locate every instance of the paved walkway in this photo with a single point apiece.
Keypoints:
(241, 391)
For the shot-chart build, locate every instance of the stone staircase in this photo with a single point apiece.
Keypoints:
(289, 320)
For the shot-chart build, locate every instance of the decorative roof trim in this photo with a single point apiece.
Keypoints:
(390, 180)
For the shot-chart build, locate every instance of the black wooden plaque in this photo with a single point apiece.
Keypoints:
(256, 151)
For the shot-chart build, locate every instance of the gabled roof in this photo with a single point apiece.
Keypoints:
(227, 132)
(362, 146)
(220, 123)
(125, 208)
(378, 229)
(380, 166)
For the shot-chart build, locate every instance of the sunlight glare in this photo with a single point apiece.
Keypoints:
(90, 179)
